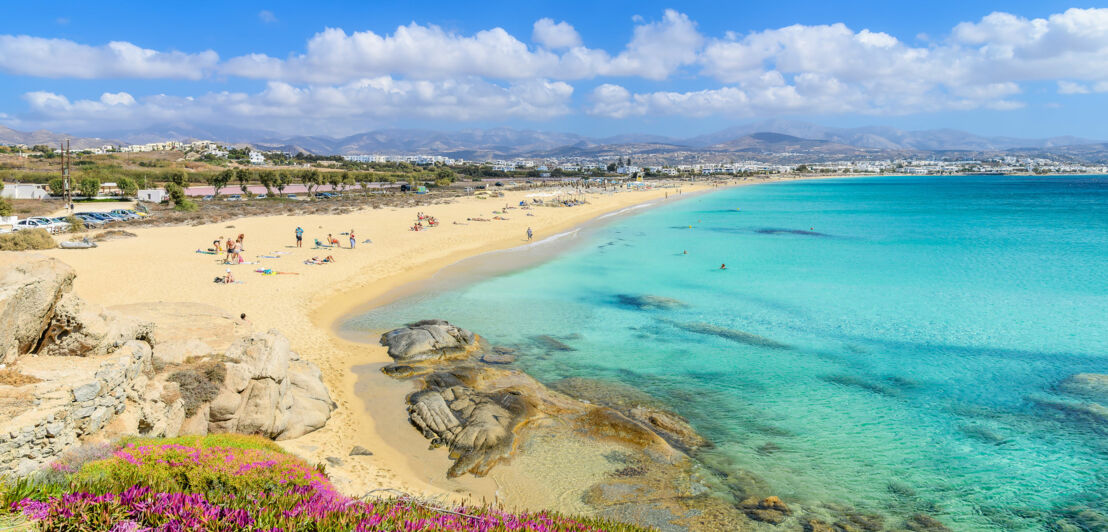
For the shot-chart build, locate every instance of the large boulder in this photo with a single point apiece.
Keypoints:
(30, 287)
(269, 390)
(428, 340)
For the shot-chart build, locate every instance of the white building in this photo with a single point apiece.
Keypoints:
(153, 195)
(257, 157)
(24, 191)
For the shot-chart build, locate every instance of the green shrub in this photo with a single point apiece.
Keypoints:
(200, 384)
(27, 240)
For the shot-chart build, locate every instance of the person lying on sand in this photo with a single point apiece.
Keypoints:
(478, 219)
(499, 218)
(316, 260)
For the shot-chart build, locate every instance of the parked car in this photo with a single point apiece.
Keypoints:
(290, 196)
(90, 221)
(324, 195)
(260, 196)
(103, 218)
(126, 214)
(31, 223)
(498, 184)
(209, 197)
(54, 225)
(234, 197)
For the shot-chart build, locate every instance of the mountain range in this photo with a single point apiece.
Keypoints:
(764, 138)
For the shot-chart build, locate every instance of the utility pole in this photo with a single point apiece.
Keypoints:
(65, 173)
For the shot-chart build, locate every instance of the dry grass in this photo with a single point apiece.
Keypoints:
(12, 377)
(27, 240)
(199, 384)
(113, 234)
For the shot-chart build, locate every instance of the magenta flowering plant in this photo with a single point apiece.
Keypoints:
(245, 484)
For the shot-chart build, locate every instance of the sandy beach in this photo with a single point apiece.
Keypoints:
(161, 264)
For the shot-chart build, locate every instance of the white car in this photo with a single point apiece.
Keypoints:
(53, 225)
(32, 223)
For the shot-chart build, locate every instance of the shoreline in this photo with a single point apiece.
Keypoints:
(159, 264)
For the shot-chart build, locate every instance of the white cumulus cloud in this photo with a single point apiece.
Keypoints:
(61, 58)
(555, 35)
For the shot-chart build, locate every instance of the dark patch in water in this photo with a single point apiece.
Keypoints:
(649, 302)
(861, 384)
(983, 434)
(741, 337)
(549, 343)
(777, 231)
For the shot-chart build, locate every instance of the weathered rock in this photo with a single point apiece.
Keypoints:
(81, 329)
(428, 340)
(497, 358)
(815, 525)
(334, 460)
(30, 287)
(403, 371)
(268, 390)
(358, 450)
(768, 510)
(670, 426)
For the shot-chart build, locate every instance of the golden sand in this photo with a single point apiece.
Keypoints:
(161, 264)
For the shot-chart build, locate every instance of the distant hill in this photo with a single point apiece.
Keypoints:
(760, 138)
(49, 138)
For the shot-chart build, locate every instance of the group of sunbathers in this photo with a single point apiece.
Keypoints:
(420, 218)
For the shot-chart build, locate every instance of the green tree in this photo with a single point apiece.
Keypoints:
(178, 177)
(268, 180)
(311, 179)
(5, 207)
(347, 180)
(612, 167)
(88, 186)
(284, 179)
(180, 200)
(445, 174)
(334, 179)
(127, 186)
(220, 180)
(364, 179)
(56, 186)
(242, 175)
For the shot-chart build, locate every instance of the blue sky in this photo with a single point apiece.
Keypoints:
(1030, 69)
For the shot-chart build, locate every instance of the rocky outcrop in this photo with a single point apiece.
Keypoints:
(30, 287)
(478, 428)
(269, 390)
(428, 340)
(80, 329)
(89, 372)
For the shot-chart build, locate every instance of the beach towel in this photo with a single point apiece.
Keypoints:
(206, 252)
(270, 256)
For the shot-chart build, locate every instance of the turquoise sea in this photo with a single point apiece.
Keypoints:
(892, 344)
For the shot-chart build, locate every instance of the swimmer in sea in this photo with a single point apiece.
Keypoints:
(723, 266)
(685, 252)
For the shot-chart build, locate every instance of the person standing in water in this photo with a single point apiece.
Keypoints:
(529, 234)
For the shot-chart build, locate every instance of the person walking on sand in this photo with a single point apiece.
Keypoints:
(529, 234)
(353, 239)
(299, 236)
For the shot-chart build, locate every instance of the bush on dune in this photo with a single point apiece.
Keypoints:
(230, 482)
(27, 240)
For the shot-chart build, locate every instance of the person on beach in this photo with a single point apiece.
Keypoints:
(353, 240)
(217, 245)
(299, 236)
(529, 234)
(239, 241)
(228, 278)
(230, 247)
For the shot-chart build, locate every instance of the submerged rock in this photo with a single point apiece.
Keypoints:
(768, 510)
(861, 384)
(649, 302)
(550, 343)
(428, 340)
(1088, 385)
(741, 337)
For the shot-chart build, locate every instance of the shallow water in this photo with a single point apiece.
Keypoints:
(892, 344)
